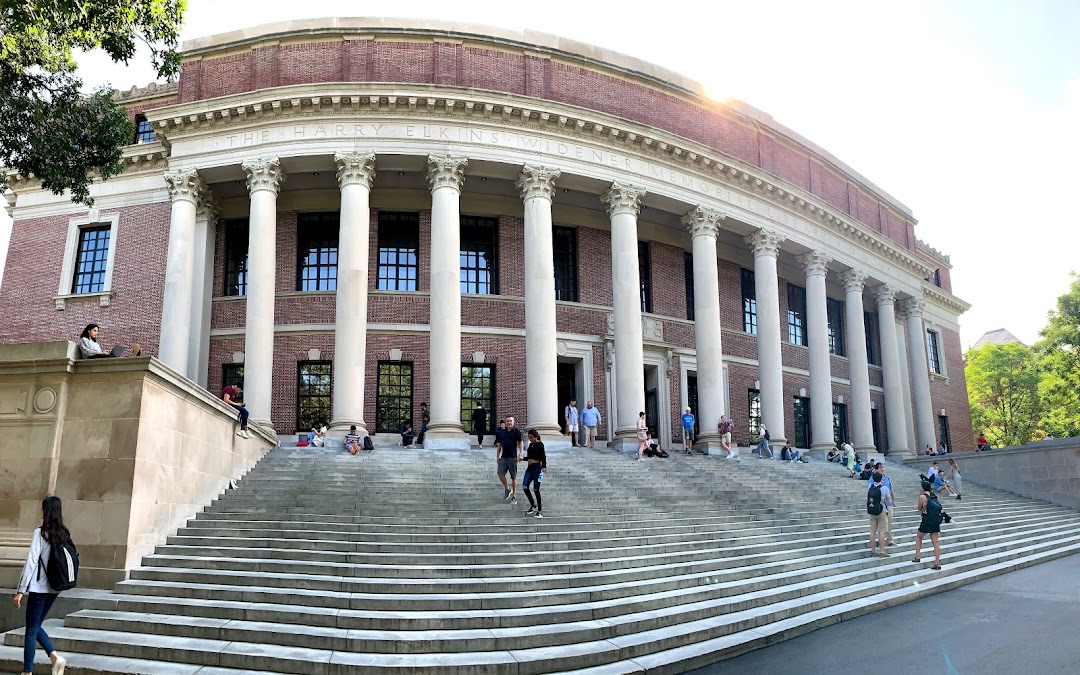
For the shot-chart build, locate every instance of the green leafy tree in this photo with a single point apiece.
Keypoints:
(48, 127)
(1003, 390)
(1060, 353)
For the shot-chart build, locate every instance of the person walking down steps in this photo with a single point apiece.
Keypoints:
(479, 423)
(534, 473)
(35, 582)
(508, 444)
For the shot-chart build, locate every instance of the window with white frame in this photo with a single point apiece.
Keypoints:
(933, 352)
(89, 254)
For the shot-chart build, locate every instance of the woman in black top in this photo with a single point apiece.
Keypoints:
(537, 459)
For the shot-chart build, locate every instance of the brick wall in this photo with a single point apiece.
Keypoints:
(428, 62)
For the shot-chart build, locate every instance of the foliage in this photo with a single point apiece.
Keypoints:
(50, 129)
(1003, 390)
(1060, 351)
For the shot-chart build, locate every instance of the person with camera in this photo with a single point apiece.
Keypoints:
(932, 516)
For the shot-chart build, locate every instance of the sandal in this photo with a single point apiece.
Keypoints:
(916, 560)
(936, 567)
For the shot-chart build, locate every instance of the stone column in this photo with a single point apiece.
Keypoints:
(905, 382)
(186, 189)
(704, 225)
(203, 279)
(858, 365)
(623, 202)
(925, 427)
(766, 244)
(356, 171)
(890, 367)
(537, 184)
(816, 265)
(446, 175)
(264, 180)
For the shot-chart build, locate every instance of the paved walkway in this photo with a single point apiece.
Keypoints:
(1020, 622)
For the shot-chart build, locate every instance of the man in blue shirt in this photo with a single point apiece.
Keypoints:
(590, 417)
(687, 430)
(889, 500)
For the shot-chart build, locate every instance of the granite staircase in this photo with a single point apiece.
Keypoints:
(408, 561)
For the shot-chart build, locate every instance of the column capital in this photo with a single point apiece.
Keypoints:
(766, 242)
(913, 307)
(263, 173)
(185, 186)
(446, 171)
(702, 221)
(209, 208)
(885, 295)
(623, 198)
(355, 168)
(537, 182)
(854, 280)
(815, 263)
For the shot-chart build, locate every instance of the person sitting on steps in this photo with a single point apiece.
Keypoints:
(352, 441)
(407, 435)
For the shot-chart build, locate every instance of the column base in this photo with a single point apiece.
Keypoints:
(625, 441)
(446, 436)
(709, 444)
(265, 427)
(550, 434)
(901, 455)
(826, 447)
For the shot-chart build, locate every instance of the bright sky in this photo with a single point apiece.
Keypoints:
(967, 111)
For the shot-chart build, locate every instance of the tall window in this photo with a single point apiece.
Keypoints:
(835, 310)
(796, 314)
(317, 242)
(144, 133)
(478, 271)
(312, 394)
(876, 429)
(399, 249)
(643, 273)
(564, 240)
(92, 259)
(393, 396)
(236, 256)
(802, 422)
(936, 277)
(749, 302)
(232, 375)
(478, 386)
(753, 398)
(872, 351)
(839, 423)
(943, 431)
(933, 352)
(688, 279)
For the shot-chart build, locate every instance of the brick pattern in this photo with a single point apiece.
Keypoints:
(428, 62)
(952, 395)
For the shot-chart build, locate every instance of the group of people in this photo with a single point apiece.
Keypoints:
(509, 451)
(881, 504)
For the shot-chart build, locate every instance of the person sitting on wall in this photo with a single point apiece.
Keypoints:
(407, 435)
(233, 396)
(90, 349)
(981, 445)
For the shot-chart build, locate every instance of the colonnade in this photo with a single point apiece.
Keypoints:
(187, 297)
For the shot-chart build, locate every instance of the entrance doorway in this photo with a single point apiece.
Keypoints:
(566, 378)
(691, 400)
(802, 422)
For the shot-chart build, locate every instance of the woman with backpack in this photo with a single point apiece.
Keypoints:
(931, 511)
(35, 582)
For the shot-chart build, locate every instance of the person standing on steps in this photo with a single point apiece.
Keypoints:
(425, 417)
(724, 427)
(590, 418)
(571, 414)
(889, 502)
(534, 473)
(930, 509)
(233, 395)
(642, 435)
(479, 423)
(763, 443)
(52, 532)
(508, 445)
(876, 497)
(688, 431)
(952, 476)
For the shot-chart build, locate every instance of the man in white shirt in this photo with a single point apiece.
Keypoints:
(571, 413)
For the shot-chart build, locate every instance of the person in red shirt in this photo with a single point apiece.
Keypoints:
(233, 395)
(981, 444)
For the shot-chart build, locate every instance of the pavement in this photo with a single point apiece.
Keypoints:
(1020, 622)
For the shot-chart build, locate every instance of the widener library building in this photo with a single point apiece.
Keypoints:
(351, 218)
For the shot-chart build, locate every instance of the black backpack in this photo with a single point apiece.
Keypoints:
(62, 567)
(873, 500)
(933, 510)
(368, 443)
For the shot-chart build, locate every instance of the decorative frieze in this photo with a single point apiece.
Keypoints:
(703, 221)
(264, 174)
(446, 171)
(652, 329)
(537, 182)
(623, 198)
(766, 242)
(355, 168)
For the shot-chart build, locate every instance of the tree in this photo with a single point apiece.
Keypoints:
(49, 128)
(1003, 390)
(1060, 352)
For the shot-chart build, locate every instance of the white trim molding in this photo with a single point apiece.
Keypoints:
(67, 273)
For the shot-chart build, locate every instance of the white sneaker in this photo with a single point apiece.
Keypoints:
(241, 433)
(58, 667)
(539, 514)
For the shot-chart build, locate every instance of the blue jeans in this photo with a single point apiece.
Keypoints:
(37, 608)
(796, 455)
(764, 444)
(243, 414)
